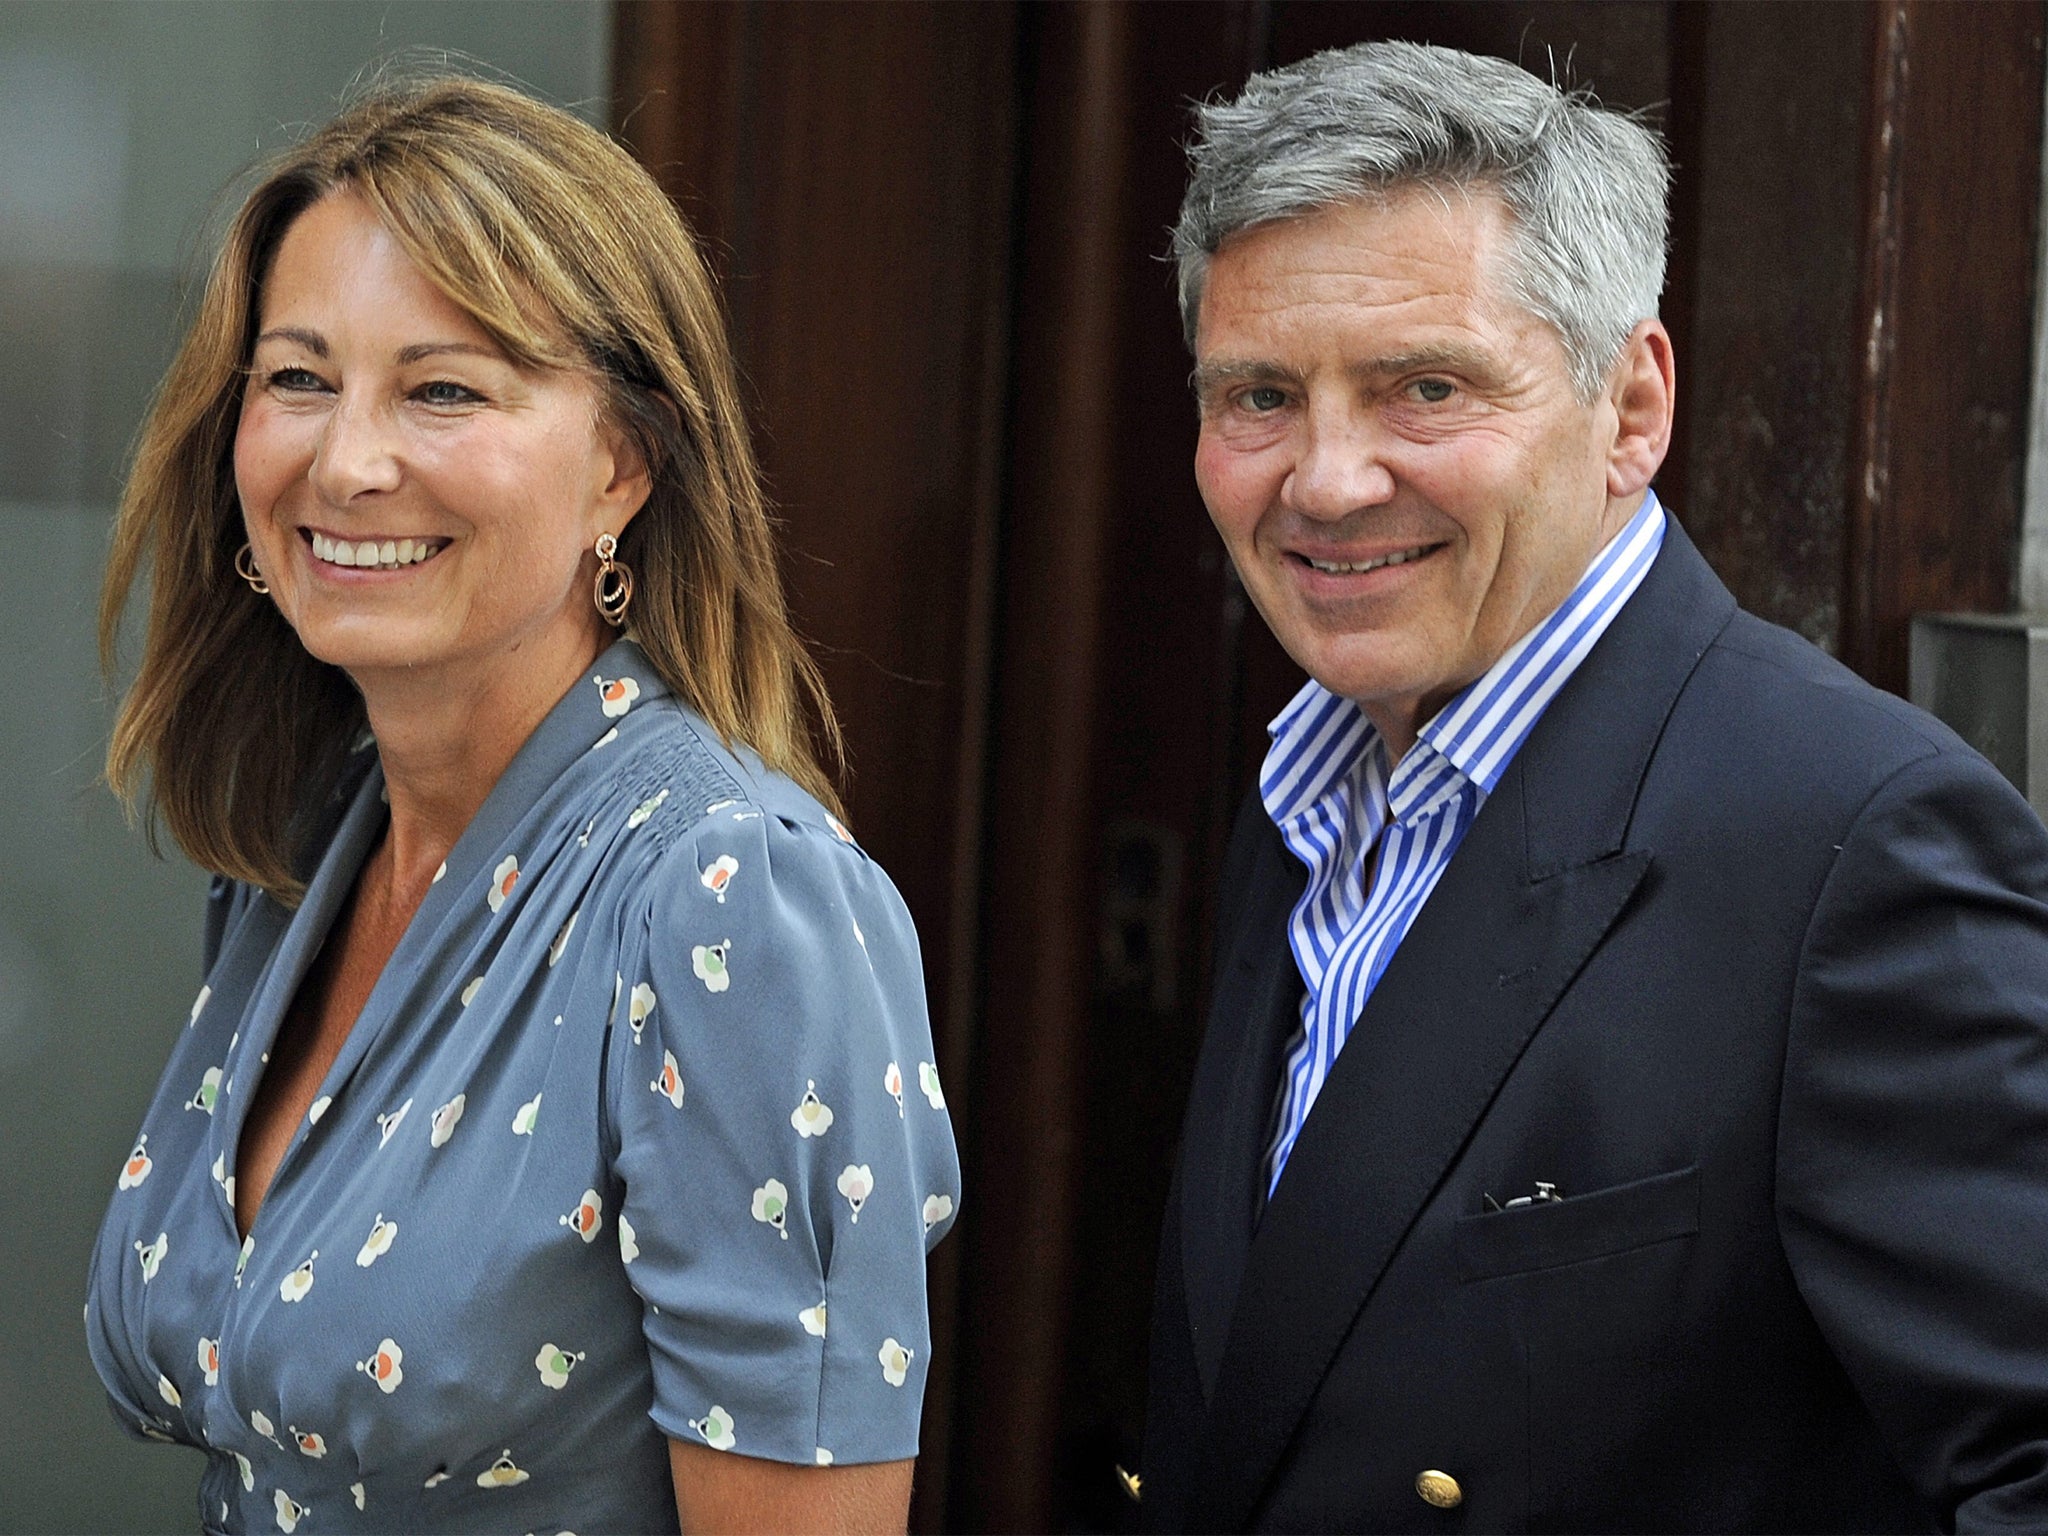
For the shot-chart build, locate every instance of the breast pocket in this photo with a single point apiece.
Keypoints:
(1578, 1227)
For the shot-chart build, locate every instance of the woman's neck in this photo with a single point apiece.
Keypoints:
(445, 742)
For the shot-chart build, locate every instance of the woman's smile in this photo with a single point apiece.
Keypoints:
(369, 552)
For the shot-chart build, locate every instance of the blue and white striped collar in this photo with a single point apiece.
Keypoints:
(1319, 737)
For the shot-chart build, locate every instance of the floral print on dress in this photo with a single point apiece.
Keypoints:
(715, 1428)
(717, 875)
(152, 1255)
(771, 1204)
(289, 1512)
(208, 1092)
(928, 1080)
(812, 1116)
(555, 1364)
(895, 1362)
(503, 878)
(616, 695)
(502, 1473)
(387, 1125)
(670, 1084)
(386, 1366)
(136, 1169)
(588, 1216)
(856, 1182)
(561, 942)
(709, 964)
(446, 1118)
(527, 1117)
(293, 1287)
(782, 1061)
(378, 1243)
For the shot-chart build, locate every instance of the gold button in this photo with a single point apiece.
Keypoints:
(1132, 1484)
(1440, 1489)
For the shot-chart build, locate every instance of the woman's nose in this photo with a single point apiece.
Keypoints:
(356, 454)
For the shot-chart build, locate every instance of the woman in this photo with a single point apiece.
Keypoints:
(555, 1140)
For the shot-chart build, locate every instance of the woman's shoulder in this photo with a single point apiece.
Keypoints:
(700, 788)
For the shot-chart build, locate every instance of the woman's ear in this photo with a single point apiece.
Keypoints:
(628, 481)
(1643, 392)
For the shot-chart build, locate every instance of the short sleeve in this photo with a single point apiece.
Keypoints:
(783, 1143)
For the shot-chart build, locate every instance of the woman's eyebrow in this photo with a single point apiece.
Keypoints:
(423, 349)
(312, 341)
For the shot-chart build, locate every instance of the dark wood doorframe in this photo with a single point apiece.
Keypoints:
(1952, 189)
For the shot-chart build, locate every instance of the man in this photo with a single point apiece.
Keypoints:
(1624, 1104)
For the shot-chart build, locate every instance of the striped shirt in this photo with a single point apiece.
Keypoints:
(1327, 786)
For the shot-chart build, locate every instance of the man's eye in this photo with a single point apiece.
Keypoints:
(1433, 391)
(443, 392)
(1265, 398)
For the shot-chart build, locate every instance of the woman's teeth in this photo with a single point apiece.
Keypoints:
(384, 555)
(1354, 568)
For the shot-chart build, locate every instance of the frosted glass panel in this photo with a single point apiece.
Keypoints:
(121, 128)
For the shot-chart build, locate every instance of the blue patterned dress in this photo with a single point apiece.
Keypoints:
(637, 1136)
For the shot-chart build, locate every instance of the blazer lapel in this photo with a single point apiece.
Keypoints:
(1540, 879)
(1230, 1103)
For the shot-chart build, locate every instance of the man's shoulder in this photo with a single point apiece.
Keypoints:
(1774, 710)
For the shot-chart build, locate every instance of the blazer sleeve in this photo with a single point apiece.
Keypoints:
(1912, 1184)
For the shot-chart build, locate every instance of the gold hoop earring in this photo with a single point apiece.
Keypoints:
(614, 588)
(245, 567)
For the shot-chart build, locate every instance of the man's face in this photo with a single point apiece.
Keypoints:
(1392, 449)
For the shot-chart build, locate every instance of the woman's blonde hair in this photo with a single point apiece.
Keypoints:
(561, 247)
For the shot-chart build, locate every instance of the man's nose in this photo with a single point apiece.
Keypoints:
(1342, 468)
(356, 454)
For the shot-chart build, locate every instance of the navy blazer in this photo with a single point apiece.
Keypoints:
(1750, 960)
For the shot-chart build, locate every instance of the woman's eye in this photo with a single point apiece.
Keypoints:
(1265, 398)
(294, 379)
(1433, 391)
(444, 392)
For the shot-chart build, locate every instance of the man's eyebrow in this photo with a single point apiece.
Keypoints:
(1208, 377)
(312, 341)
(1448, 356)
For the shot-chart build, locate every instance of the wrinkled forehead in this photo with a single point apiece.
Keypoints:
(1413, 247)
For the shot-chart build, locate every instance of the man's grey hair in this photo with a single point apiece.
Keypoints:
(1586, 186)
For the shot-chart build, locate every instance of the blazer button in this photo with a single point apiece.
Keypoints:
(1440, 1489)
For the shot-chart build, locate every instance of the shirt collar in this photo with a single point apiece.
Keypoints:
(1320, 738)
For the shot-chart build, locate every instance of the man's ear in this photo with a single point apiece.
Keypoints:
(1643, 391)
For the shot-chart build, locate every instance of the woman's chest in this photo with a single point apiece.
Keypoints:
(434, 1280)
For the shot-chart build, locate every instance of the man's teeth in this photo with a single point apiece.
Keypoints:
(1354, 568)
(385, 555)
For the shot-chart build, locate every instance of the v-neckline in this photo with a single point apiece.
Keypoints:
(562, 737)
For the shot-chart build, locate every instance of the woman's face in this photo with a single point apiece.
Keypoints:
(419, 504)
